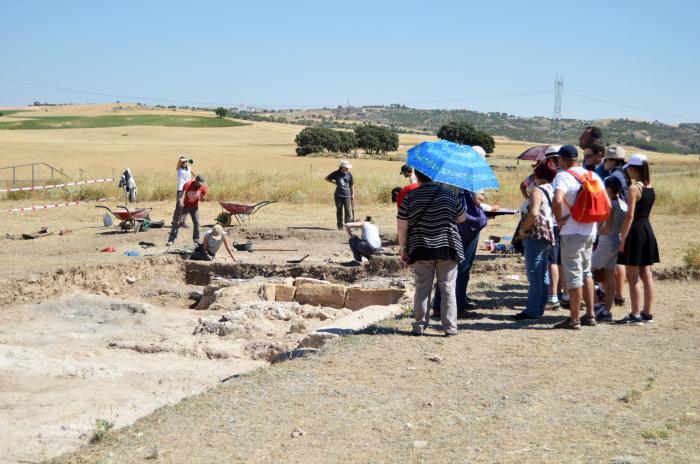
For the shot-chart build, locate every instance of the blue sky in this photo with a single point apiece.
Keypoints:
(618, 59)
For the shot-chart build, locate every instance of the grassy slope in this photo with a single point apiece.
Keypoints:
(91, 122)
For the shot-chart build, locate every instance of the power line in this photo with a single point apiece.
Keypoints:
(624, 105)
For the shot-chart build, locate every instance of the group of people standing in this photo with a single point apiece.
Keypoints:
(619, 245)
(565, 240)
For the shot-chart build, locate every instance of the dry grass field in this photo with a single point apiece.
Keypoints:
(257, 161)
(498, 392)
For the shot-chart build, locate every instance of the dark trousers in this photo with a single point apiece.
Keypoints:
(360, 248)
(200, 254)
(178, 210)
(463, 270)
(340, 203)
(194, 214)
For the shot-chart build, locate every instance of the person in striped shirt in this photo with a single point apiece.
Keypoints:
(429, 240)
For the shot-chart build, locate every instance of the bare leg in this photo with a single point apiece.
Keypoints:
(619, 280)
(588, 295)
(635, 288)
(553, 279)
(648, 281)
(575, 297)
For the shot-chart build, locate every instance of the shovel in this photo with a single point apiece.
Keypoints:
(297, 261)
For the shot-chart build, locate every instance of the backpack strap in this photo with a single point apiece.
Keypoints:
(575, 175)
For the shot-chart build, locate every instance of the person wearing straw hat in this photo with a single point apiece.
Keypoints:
(344, 193)
(213, 239)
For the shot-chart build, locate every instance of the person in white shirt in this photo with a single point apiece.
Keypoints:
(576, 240)
(213, 239)
(366, 246)
(184, 175)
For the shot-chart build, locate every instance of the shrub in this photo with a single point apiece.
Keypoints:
(102, 429)
(692, 257)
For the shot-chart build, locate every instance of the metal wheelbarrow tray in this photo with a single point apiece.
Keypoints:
(129, 218)
(240, 211)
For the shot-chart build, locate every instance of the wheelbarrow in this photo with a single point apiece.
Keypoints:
(130, 219)
(240, 211)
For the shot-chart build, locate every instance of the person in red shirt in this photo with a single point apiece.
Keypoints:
(404, 191)
(192, 192)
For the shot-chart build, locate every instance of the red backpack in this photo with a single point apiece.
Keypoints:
(591, 203)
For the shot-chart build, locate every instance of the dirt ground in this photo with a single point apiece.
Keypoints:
(499, 392)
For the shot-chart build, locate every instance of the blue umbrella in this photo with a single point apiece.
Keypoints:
(453, 164)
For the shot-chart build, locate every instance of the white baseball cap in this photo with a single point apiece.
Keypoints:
(345, 164)
(637, 159)
(479, 150)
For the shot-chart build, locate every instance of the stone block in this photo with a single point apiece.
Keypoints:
(285, 292)
(267, 292)
(357, 298)
(332, 295)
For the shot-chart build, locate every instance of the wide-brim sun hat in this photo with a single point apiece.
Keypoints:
(615, 153)
(345, 164)
(552, 151)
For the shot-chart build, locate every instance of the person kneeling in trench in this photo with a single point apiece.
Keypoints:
(369, 244)
(213, 239)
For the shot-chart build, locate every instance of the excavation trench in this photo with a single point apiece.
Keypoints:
(115, 342)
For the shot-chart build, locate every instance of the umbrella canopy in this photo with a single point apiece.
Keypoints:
(535, 153)
(453, 164)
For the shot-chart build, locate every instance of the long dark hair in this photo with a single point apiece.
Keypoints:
(643, 171)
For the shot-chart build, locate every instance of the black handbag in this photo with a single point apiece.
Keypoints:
(517, 242)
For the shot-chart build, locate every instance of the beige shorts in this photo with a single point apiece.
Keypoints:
(576, 253)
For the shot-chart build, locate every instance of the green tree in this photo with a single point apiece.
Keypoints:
(221, 112)
(318, 139)
(464, 133)
(376, 139)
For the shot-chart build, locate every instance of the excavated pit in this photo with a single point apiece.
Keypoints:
(116, 342)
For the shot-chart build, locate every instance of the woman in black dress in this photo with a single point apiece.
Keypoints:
(638, 247)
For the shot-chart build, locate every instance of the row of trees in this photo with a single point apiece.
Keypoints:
(372, 139)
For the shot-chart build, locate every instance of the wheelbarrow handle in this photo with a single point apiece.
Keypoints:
(104, 207)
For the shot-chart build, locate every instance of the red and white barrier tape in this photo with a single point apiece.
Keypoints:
(38, 207)
(46, 187)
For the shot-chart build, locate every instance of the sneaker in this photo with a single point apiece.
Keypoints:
(567, 324)
(588, 321)
(552, 306)
(631, 319)
(450, 332)
(170, 242)
(564, 300)
(522, 317)
(648, 318)
(602, 313)
(619, 300)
